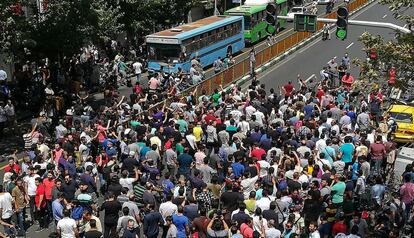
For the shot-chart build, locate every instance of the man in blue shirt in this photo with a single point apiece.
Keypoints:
(181, 222)
(238, 168)
(347, 151)
(184, 163)
(57, 208)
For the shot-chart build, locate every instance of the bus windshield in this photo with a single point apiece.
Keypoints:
(164, 53)
(247, 22)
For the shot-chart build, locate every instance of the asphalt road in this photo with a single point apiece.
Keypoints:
(312, 58)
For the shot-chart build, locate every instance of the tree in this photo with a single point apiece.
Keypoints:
(142, 17)
(398, 53)
(15, 29)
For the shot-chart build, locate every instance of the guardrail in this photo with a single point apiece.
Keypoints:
(238, 70)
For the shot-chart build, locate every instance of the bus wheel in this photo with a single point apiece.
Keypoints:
(229, 51)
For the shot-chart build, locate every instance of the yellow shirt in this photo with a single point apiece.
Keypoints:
(250, 205)
(197, 132)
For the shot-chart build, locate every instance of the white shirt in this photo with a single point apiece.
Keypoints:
(167, 209)
(248, 185)
(314, 234)
(31, 185)
(250, 110)
(264, 167)
(272, 233)
(263, 203)
(257, 223)
(127, 183)
(6, 205)
(137, 67)
(67, 227)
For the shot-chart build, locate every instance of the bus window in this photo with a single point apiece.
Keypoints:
(164, 53)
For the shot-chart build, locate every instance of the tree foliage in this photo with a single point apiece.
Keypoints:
(398, 52)
(67, 25)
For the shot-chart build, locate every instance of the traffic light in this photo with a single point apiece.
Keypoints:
(304, 22)
(342, 23)
(299, 21)
(271, 14)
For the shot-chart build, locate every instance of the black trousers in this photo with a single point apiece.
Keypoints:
(110, 231)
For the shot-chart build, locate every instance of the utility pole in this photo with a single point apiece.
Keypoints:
(361, 23)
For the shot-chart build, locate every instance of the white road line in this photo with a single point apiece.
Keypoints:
(334, 58)
(405, 26)
(384, 16)
(310, 77)
(349, 46)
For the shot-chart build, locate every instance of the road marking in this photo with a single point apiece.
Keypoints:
(384, 16)
(334, 58)
(349, 46)
(310, 77)
(405, 26)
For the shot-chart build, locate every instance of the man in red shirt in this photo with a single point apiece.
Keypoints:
(257, 152)
(40, 203)
(12, 166)
(48, 184)
(377, 151)
(339, 226)
(246, 229)
(288, 88)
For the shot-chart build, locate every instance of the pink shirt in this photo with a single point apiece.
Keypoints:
(407, 193)
(153, 83)
(101, 131)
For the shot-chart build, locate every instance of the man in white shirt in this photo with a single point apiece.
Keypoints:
(271, 231)
(248, 185)
(137, 66)
(264, 202)
(126, 182)
(31, 187)
(67, 227)
(167, 209)
(313, 230)
(6, 209)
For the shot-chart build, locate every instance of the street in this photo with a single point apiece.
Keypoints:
(310, 60)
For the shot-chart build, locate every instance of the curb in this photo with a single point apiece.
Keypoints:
(295, 48)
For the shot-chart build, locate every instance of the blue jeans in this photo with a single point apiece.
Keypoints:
(7, 229)
(377, 165)
(20, 219)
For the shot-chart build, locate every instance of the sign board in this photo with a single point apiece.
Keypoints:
(160, 40)
(304, 22)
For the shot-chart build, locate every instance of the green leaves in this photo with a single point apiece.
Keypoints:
(398, 52)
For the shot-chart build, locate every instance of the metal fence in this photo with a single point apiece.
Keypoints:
(242, 68)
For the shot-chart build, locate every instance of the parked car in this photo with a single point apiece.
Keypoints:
(403, 115)
(296, 10)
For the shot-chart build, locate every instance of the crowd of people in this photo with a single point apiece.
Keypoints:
(296, 162)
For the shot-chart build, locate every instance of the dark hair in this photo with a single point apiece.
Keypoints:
(125, 211)
(92, 223)
(66, 212)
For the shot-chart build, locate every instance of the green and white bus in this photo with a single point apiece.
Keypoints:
(254, 26)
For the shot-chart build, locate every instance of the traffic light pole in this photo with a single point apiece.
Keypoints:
(360, 23)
